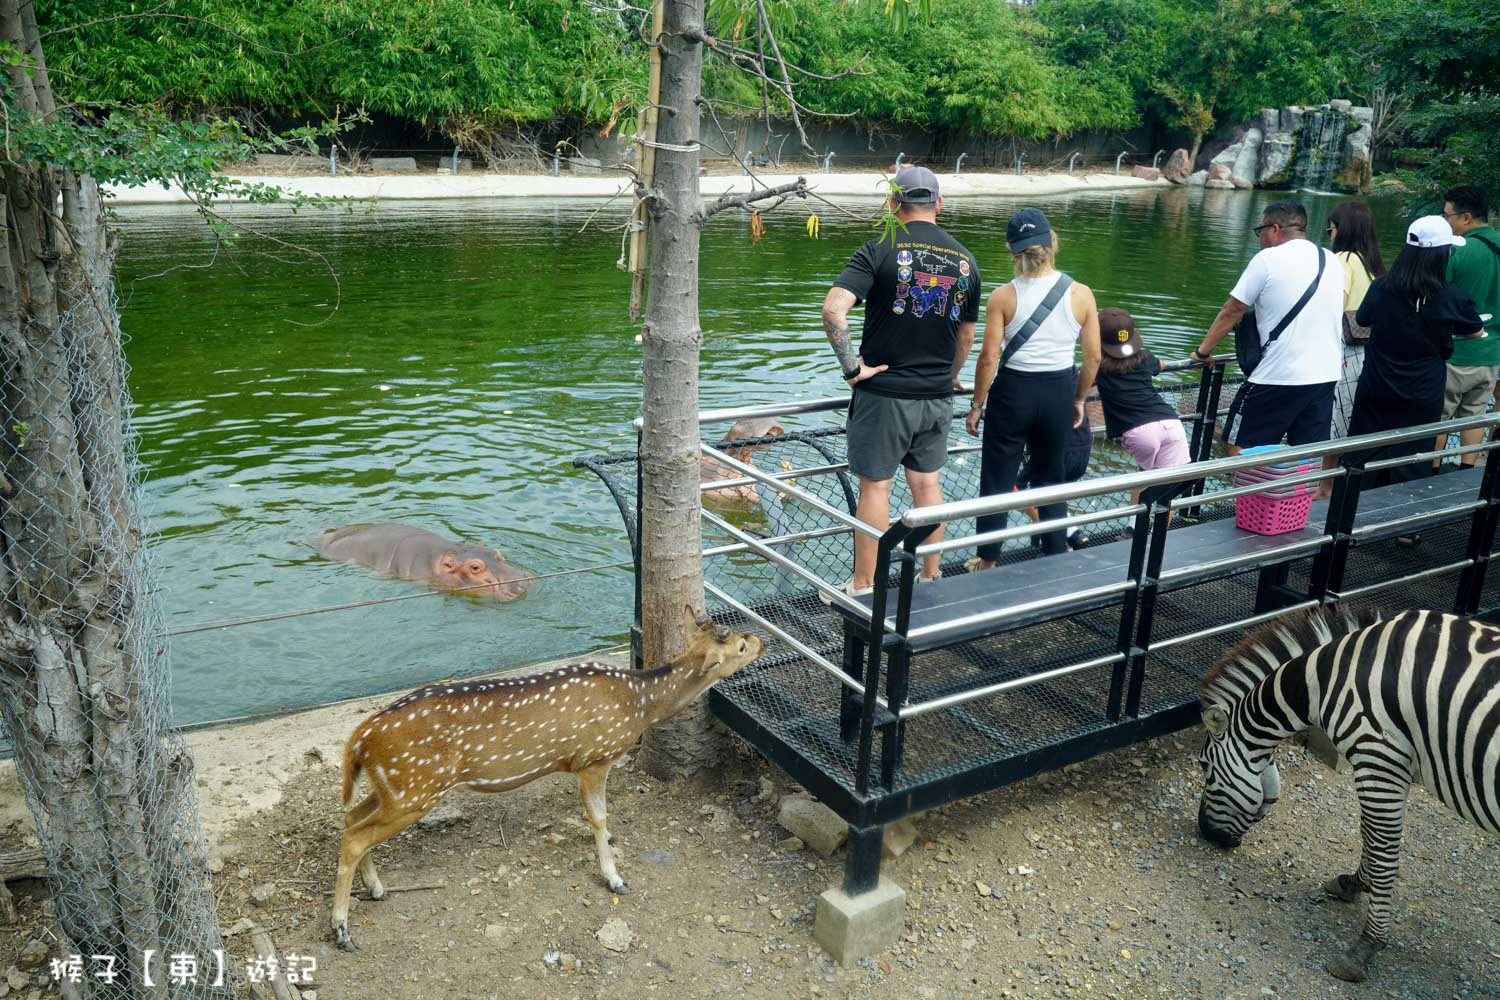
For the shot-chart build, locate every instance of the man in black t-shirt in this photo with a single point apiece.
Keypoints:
(921, 296)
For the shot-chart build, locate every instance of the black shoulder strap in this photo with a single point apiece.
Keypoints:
(1038, 317)
(1487, 243)
(1306, 298)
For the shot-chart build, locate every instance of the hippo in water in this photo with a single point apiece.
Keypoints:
(710, 470)
(417, 554)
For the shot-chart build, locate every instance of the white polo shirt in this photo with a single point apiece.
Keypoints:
(1308, 352)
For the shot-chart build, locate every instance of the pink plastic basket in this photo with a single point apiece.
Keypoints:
(1272, 515)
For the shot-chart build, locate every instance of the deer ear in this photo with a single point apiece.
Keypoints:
(1322, 749)
(689, 618)
(1215, 720)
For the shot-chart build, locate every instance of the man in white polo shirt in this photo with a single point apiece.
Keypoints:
(1290, 393)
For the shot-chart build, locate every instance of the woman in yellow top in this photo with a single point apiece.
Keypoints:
(1351, 228)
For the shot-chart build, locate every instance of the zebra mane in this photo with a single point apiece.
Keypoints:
(1275, 643)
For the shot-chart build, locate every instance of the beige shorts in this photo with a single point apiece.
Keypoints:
(1468, 389)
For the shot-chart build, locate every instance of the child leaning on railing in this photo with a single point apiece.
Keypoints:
(1134, 412)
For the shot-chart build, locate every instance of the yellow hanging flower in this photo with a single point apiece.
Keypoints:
(813, 225)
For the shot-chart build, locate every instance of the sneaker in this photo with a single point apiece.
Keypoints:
(923, 578)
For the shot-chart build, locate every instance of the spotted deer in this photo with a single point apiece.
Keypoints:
(495, 735)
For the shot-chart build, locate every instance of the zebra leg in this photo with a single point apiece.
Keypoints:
(1382, 815)
(1345, 888)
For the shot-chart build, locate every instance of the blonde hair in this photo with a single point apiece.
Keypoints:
(1035, 260)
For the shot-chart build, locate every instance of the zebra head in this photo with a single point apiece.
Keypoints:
(1238, 789)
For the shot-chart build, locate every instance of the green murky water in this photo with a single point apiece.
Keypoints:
(480, 346)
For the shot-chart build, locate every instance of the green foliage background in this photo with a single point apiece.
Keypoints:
(1048, 69)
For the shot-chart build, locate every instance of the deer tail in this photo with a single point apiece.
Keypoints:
(352, 768)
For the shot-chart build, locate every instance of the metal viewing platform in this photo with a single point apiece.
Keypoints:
(923, 693)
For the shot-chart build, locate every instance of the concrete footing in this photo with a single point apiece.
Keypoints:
(854, 927)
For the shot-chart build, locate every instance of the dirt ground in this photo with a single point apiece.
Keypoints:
(1089, 882)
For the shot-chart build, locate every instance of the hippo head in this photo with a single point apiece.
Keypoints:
(472, 566)
(752, 427)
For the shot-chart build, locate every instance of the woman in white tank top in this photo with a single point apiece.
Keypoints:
(1050, 348)
(1035, 399)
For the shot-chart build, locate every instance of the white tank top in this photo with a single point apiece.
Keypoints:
(1050, 348)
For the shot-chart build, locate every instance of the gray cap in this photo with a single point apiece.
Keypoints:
(919, 186)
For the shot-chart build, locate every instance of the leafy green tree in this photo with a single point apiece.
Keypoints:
(1443, 58)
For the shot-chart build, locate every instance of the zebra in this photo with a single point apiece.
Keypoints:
(1413, 698)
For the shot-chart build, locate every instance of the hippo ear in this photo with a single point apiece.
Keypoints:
(498, 554)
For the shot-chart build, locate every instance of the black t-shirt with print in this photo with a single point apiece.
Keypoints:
(916, 291)
(1130, 399)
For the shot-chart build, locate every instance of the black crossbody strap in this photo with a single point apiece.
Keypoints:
(1487, 243)
(1035, 320)
(1306, 298)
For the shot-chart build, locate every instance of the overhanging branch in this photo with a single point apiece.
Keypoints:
(727, 201)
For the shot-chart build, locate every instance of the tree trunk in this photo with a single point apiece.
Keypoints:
(83, 672)
(671, 528)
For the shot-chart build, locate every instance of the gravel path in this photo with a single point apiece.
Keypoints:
(1090, 882)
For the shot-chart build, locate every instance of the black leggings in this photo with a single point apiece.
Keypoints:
(1026, 410)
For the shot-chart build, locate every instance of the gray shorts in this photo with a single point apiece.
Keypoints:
(885, 432)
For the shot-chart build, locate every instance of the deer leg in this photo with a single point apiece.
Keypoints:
(355, 817)
(591, 790)
(1382, 814)
(375, 828)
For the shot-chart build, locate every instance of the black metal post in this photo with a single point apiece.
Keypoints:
(1481, 539)
(1158, 502)
(898, 674)
(1210, 386)
(1328, 578)
(874, 652)
(862, 859)
(1125, 640)
(849, 702)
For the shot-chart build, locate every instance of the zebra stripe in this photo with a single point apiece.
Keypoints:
(1412, 699)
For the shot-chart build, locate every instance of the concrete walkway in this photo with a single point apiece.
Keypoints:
(399, 187)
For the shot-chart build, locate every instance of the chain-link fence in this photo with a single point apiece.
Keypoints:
(83, 659)
(814, 460)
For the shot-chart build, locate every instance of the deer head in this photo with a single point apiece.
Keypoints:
(714, 651)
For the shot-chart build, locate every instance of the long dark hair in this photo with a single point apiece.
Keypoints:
(1419, 273)
(1356, 233)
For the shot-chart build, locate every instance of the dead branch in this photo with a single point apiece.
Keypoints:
(727, 201)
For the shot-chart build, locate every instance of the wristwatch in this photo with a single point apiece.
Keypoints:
(1200, 355)
(851, 373)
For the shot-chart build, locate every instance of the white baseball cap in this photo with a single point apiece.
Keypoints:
(1432, 231)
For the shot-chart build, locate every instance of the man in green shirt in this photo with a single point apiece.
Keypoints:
(1474, 267)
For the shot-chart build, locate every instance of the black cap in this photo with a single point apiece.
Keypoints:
(1117, 333)
(1027, 228)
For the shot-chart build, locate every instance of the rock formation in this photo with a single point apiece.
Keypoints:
(1321, 148)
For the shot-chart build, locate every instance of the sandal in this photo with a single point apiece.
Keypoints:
(1078, 540)
(1409, 541)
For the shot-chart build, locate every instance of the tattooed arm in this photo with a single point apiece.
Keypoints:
(836, 308)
